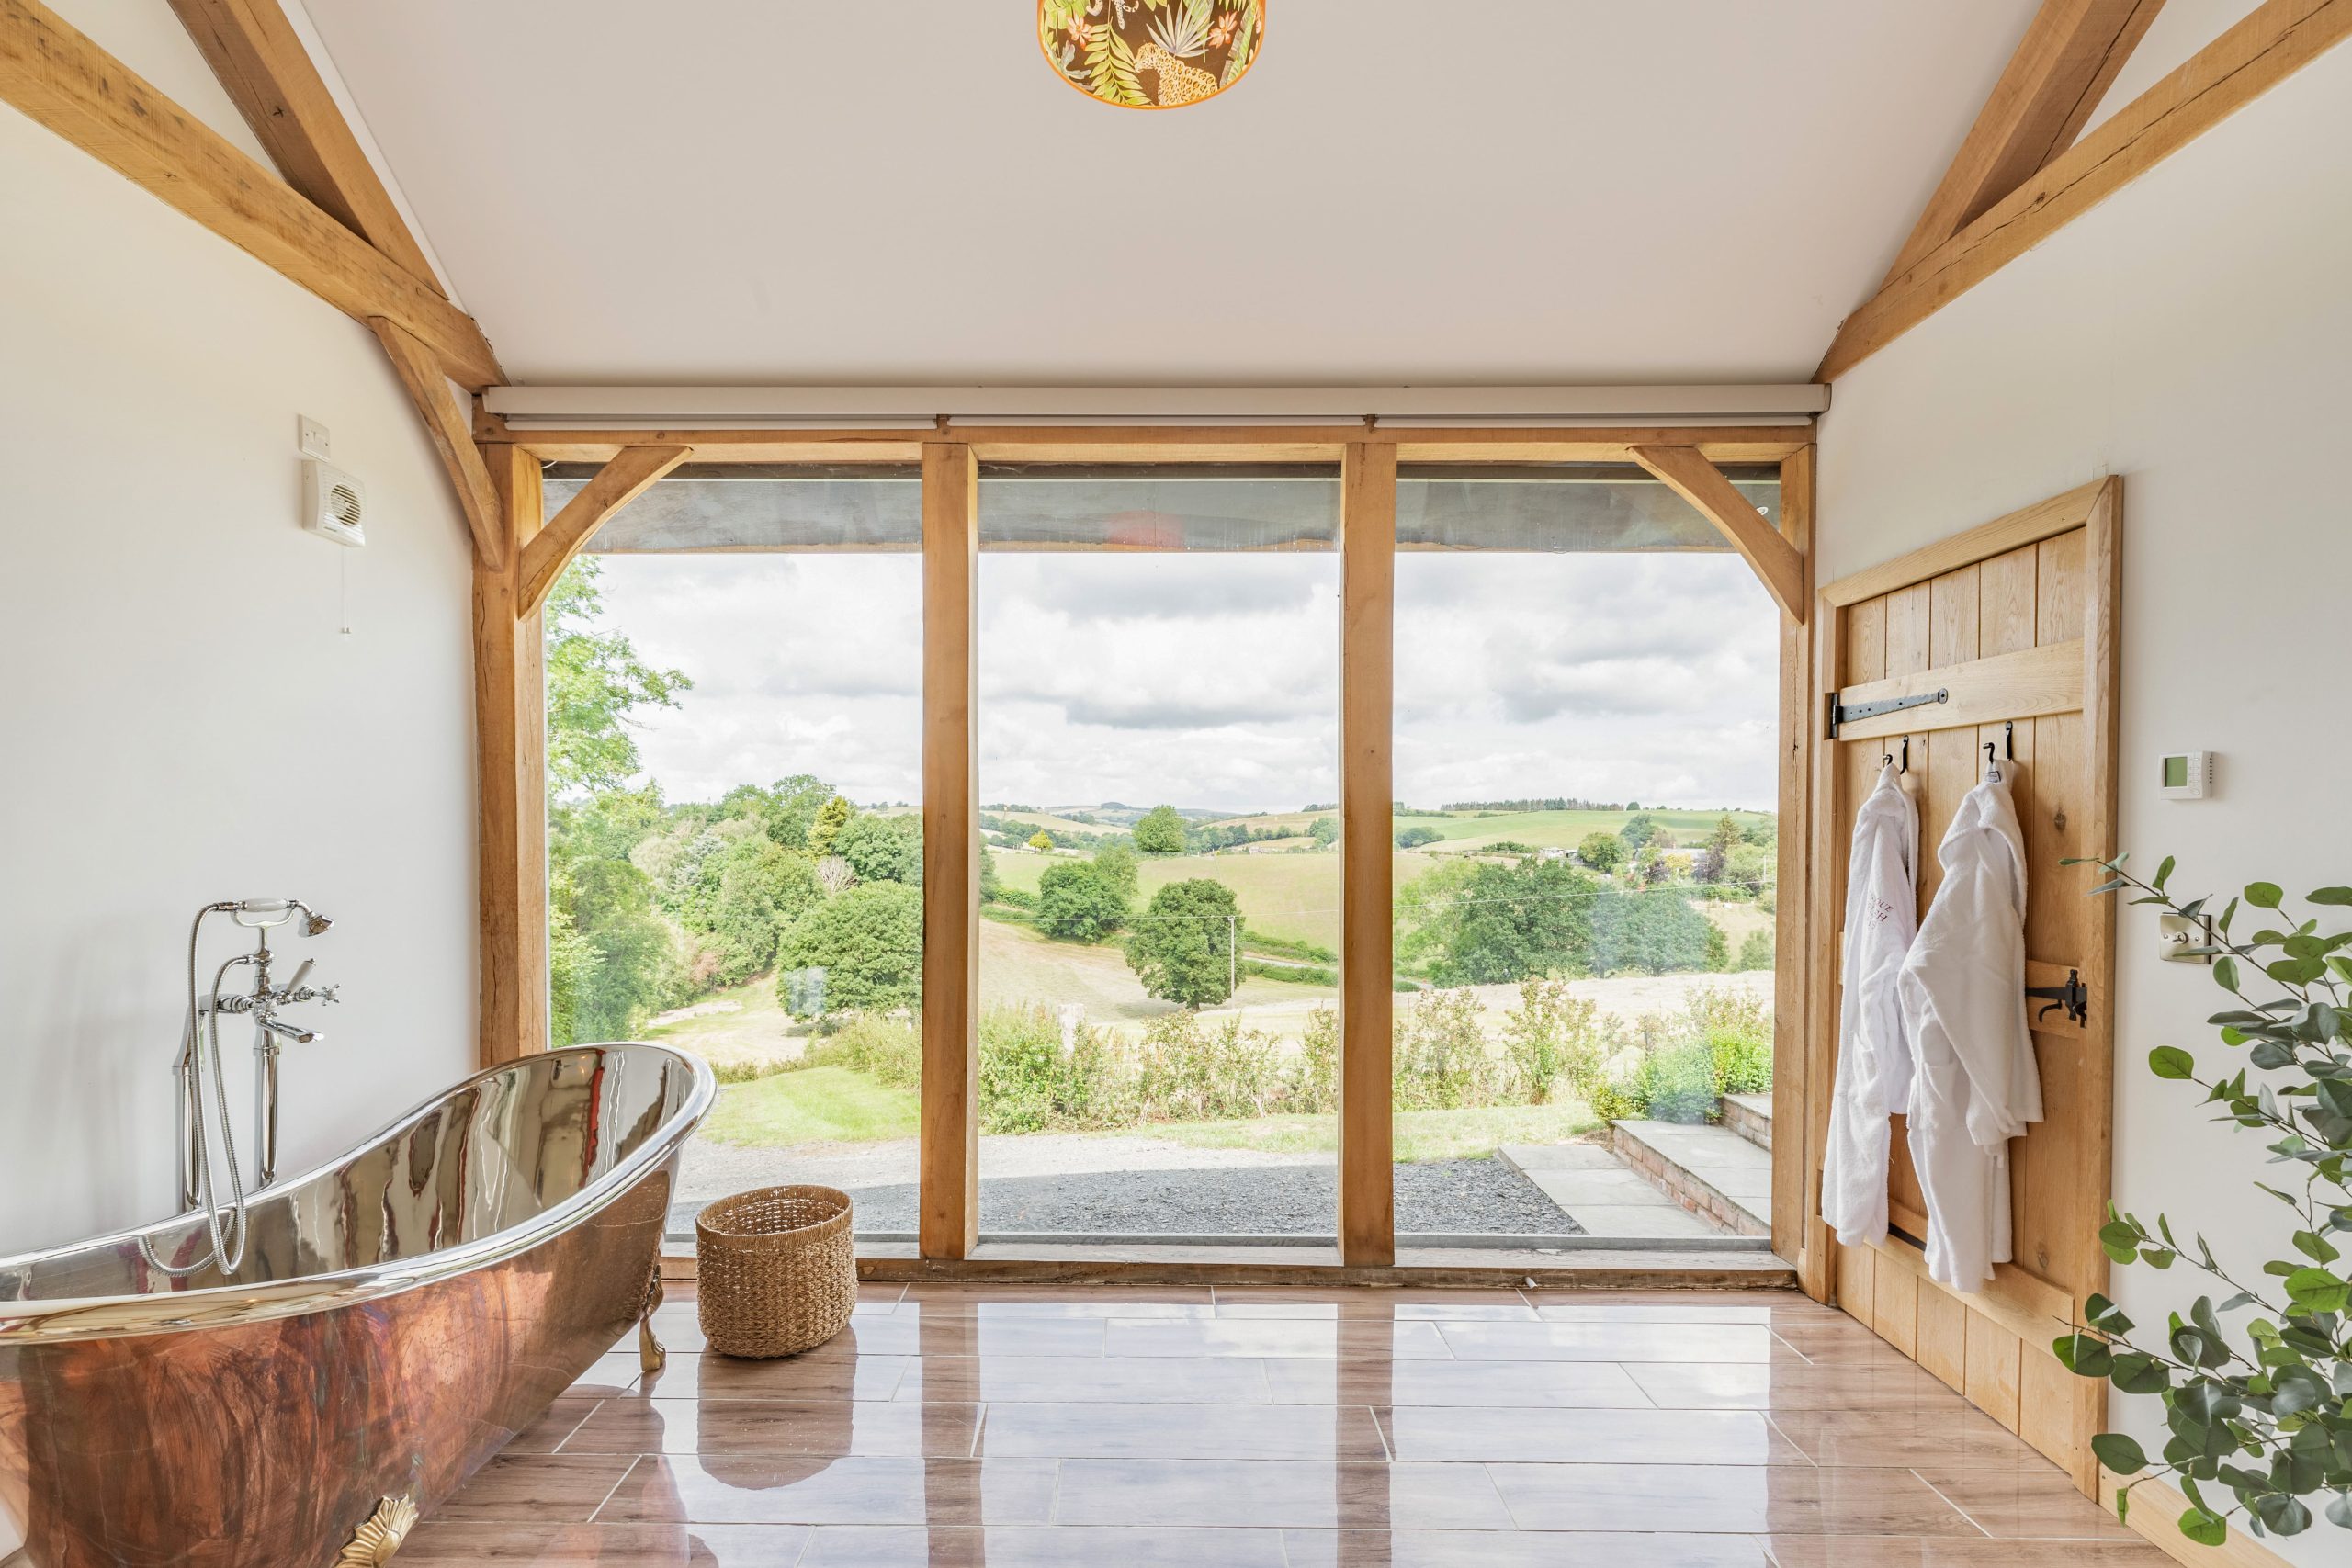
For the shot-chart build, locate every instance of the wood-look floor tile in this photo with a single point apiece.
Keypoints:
(835, 1427)
(1725, 1499)
(1181, 1431)
(1322, 1338)
(823, 1373)
(616, 1372)
(1565, 1385)
(1495, 1549)
(1206, 1379)
(1405, 1304)
(1164, 1494)
(1959, 1434)
(562, 1418)
(714, 1489)
(1955, 1551)
(680, 1328)
(1787, 1383)
(1767, 1307)
(1587, 1436)
(2031, 1498)
(1062, 1301)
(1057, 1547)
(538, 1488)
(437, 1543)
(1555, 1342)
(913, 1332)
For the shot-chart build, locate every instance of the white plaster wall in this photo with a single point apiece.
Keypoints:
(2193, 334)
(201, 700)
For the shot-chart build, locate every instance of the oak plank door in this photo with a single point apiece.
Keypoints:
(2038, 589)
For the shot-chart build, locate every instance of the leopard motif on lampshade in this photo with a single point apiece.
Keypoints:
(1151, 54)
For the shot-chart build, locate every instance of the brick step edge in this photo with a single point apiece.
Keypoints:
(1749, 1115)
(1684, 1185)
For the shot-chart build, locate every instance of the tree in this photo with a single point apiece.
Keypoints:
(1074, 904)
(1115, 864)
(832, 818)
(594, 679)
(1752, 867)
(1602, 851)
(1325, 832)
(1654, 931)
(1182, 947)
(1715, 858)
(760, 889)
(1161, 832)
(611, 958)
(991, 884)
(1410, 838)
(868, 943)
(1639, 829)
(882, 849)
(1041, 841)
(1513, 921)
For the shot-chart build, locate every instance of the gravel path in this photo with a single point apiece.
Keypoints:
(1139, 1185)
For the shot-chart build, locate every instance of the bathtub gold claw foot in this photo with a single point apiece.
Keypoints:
(650, 1355)
(379, 1536)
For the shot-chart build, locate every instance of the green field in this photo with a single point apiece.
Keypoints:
(1294, 896)
(1019, 965)
(1286, 897)
(815, 1105)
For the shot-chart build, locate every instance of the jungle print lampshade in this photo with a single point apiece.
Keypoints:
(1151, 54)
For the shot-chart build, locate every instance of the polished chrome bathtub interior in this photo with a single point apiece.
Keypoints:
(226, 1223)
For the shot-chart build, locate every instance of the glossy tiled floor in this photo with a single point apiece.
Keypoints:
(1288, 1428)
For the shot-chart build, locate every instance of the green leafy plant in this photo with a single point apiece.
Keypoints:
(2263, 1407)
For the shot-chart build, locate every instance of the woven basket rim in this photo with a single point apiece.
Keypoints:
(724, 1208)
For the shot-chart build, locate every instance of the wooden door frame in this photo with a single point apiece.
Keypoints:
(511, 695)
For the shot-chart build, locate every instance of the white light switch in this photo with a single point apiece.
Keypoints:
(311, 437)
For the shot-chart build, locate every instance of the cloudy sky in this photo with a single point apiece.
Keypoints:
(1211, 681)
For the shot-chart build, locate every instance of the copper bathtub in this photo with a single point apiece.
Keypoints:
(398, 1315)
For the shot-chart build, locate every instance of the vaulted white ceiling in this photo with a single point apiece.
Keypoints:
(764, 191)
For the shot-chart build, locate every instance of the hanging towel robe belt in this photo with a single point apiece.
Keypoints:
(1976, 1084)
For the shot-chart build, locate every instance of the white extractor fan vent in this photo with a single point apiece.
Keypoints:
(335, 504)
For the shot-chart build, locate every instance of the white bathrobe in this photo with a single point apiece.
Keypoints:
(1873, 1056)
(1963, 998)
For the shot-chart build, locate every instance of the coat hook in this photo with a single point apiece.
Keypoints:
(2009, 739)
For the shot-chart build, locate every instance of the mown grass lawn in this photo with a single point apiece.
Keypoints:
(835, 1105)
(815, 1105)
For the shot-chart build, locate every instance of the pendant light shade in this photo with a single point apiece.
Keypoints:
(1151, 54)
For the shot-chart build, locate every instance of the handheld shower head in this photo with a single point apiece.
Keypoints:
(265, 913)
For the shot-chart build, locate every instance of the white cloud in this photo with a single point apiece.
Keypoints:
(1214, 681)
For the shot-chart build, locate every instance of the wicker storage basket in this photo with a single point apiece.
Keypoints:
(776, 1271)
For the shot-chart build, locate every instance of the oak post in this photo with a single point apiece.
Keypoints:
(1367, 1218)
(511, 763)
(1795, 1232)
(950, 1173)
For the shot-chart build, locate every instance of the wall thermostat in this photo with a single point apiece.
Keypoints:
(335, 504)
(2189, 775)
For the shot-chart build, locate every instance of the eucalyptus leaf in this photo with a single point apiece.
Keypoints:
(2263, 895)
(2172, 1062)
(2120, 1453)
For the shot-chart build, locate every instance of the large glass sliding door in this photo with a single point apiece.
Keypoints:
(1158, 678)
(734, 704)
(1584, 751)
